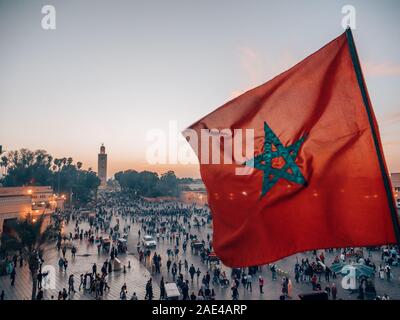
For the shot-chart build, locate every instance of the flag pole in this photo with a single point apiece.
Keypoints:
(385, 176)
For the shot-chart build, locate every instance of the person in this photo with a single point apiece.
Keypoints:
(192, 271)
(168, 264)
(290, 288)
(94, 269)
(73, 251)
(244, 281)
(327, 274)
(82, 282)
(64, 294)
(322, 257)
(134, 296)
(273, 271)
(12, 276)
(71, 284)
(388, 272)
(314, 280)
(261, 283)
(162, 289)
(284, 286)
(212, 296)
(193, 296)
(334, 291)
(297, 273)
(149, 290)
(61, 263)
(186, 266)
(235, 292)
(249, 280)
(185, 290)
(124, 291)
(39, 295)
(328, 291)
(65, 264)
(381, 273)
(2, 295)
(198, 272)
(208, 279)
(174, 271)
(39, 279)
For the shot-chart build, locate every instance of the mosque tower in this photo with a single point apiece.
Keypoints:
(102, 166)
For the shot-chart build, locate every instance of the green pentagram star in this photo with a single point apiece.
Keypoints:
(290, 171)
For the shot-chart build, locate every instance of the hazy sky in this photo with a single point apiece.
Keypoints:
(112, 70)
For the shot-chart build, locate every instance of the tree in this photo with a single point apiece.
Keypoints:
(38, 168)
(82, 184)
(85, 186)
(148, 184)
(168, 184)
(27, 167)
(4, 163)
(28, 238)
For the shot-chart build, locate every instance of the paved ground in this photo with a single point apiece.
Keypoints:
(137, 276)
(272, 289)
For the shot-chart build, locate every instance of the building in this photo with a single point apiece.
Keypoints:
(18, 202)
(13, 205)
(102, 166)
(395, 177)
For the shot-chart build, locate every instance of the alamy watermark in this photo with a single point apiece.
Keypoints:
(48, 21)
(349, 17)
(207, 146)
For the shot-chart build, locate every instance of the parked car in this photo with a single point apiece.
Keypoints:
(172, 291)
(149, 242)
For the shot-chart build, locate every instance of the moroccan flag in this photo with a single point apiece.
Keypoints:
(317, 177)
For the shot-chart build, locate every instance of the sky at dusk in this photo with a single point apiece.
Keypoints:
(113, 70)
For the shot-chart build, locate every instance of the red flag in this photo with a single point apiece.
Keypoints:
(319, 179)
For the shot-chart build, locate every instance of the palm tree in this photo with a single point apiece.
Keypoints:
(28, 238)
(79, 165)
(4, 163)
(58, 163)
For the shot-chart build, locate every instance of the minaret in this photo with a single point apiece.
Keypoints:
(102, 166)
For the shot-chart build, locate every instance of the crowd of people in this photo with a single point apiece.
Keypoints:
(183, 254)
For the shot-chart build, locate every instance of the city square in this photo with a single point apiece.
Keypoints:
(135, 271)
(214, 151)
